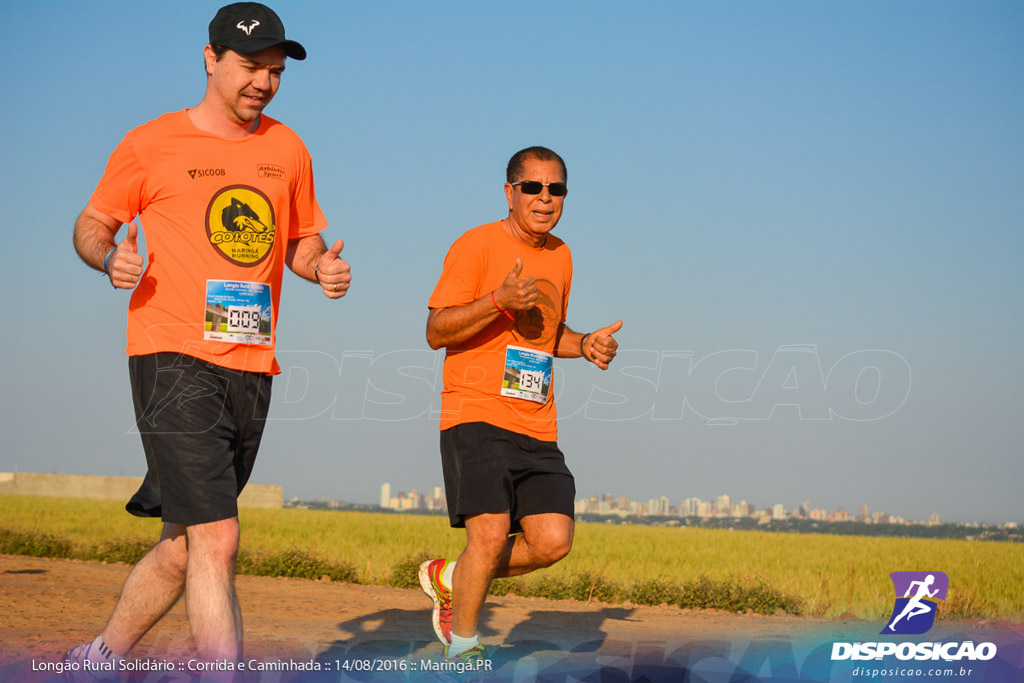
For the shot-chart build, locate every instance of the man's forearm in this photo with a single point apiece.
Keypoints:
(93, 239)
(302, 256)
(457, 324)
(568, 343)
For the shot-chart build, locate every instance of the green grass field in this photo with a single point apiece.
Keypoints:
(825, 575)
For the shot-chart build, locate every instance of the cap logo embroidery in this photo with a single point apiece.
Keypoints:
(248, 28)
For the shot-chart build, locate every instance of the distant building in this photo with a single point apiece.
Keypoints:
(742, 509)
(723, 505)
(414, 500)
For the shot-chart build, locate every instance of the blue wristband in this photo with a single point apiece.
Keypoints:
(105, 272)
(107, 258)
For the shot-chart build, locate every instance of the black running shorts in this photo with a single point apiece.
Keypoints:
(201, 426)
(489, 469)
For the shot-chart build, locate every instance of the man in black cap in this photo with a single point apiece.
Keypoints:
(226, 198)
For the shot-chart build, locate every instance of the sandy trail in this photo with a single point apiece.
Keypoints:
(50, 605)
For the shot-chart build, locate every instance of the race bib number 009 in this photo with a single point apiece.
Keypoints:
(245, 319)
(238, 312)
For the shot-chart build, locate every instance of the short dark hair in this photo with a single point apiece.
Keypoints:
(514, 170)
(219, 51)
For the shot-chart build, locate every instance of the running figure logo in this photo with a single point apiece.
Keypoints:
(917, 596)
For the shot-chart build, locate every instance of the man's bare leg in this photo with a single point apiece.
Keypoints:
(490, 553)
(151, 589)
(213, 612)
(486, 538)
(545, 540)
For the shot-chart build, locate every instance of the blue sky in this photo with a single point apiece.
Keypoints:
(808, 215)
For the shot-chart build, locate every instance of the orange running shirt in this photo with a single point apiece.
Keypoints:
(217, 215)
(476, 371)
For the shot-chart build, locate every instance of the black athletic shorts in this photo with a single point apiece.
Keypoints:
(201, 426)
(489, 469)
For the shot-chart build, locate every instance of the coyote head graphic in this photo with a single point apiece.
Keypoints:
(238, 217)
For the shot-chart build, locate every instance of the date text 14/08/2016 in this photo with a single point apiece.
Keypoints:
(406, 665)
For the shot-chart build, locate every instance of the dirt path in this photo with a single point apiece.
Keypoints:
(50, 605)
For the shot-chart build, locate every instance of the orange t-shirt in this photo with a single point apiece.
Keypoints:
(478, 371)
(217, 214)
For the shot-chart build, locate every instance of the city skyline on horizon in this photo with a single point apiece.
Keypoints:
(437, 492)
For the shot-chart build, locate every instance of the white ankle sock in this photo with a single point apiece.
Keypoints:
(446, 575)
(99, 652)
(460, 644)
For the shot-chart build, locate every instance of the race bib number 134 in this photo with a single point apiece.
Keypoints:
(527, 374)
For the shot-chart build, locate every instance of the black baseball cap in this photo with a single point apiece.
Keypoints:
(248, 27)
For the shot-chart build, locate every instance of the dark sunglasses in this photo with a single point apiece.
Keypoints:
(535, 186)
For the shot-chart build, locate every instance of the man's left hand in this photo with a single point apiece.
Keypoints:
(333, 272)
(600, 346)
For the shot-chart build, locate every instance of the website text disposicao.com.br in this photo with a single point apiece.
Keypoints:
(950, 652)
(901, 672)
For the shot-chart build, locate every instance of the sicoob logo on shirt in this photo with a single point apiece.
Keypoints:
(240, 224)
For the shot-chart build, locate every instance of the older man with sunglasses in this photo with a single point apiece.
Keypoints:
(499, 309)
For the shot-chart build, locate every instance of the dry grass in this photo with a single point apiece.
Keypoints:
(827, 575)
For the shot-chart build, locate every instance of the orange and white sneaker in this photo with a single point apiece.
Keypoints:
(432, 581)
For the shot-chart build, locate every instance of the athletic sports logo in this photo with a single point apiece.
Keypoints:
(240, 224)
(248, 27)
(917, 596)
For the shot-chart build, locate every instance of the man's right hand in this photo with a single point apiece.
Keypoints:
(125, 265)
(516, 293)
